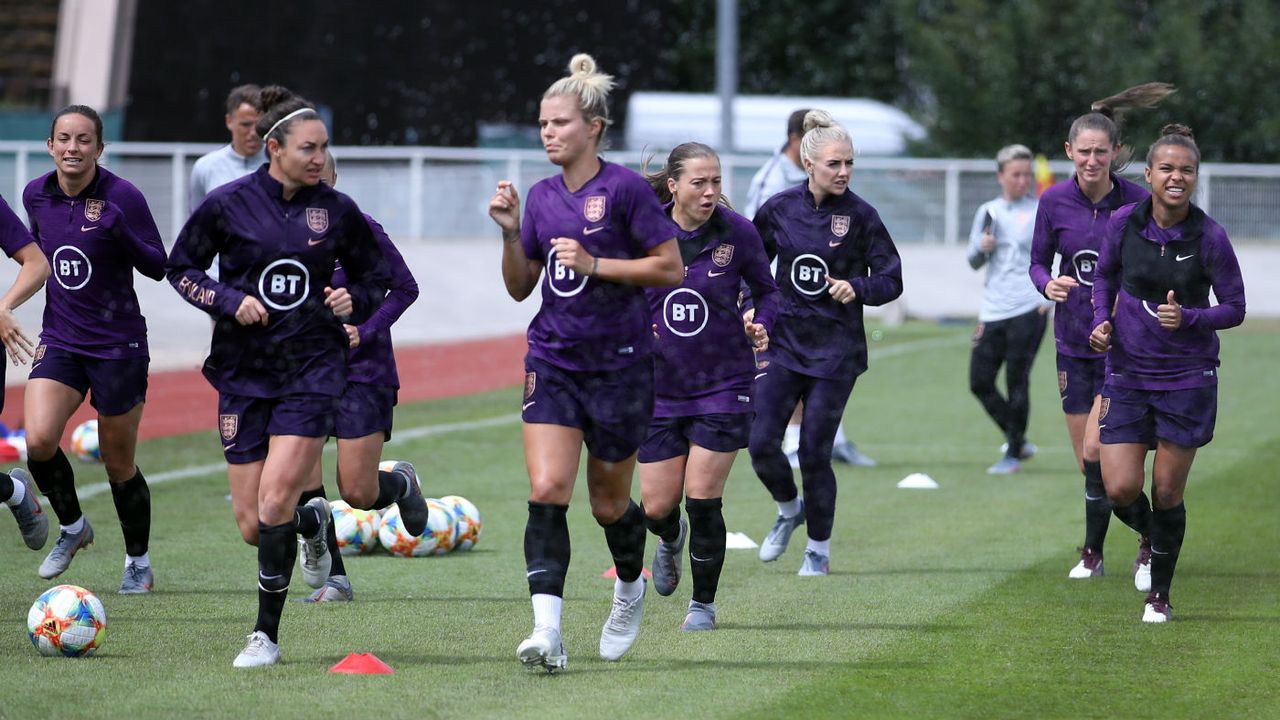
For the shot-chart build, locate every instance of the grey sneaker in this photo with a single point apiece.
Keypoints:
(313, 551)
(702, 616)
(543, 649)
(138, 579)
(258, 652)
(413, 508)
(775, 543)
(620, 630)
(32, 521)
(848, 453)
(815, 564)
(1006, 466)
(59, 558)
(1028, 450)
(336, 588)
(667, 559)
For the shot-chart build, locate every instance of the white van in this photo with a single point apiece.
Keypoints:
(659, 121)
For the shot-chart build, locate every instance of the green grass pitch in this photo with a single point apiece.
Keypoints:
(946, 603)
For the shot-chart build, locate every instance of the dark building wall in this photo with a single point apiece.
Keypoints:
(392, 73)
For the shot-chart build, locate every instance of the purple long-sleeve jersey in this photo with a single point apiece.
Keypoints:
(282, 252)
(704, 362)
(586, 323)
(843, 239)
(1070, 225)
(13, 234)
(373, 361)
(94, 241)
(1134, 277)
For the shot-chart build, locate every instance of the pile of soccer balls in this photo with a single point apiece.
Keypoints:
(453, 523)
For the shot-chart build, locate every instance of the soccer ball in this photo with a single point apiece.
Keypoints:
(357, 529)
(468, 521)
(84, 442)
(397, 541)
(442, 526)
(67, 620)
(389, 465)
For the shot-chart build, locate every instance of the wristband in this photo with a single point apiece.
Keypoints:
(595, 263)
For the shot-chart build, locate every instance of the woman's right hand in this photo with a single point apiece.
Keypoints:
(20, 347)
(1058, 288)
(504, 207)
(251, 311)
(1100, 338)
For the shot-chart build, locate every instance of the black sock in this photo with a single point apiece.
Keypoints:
(277, 551)
(706, 546)
(307, 519)
(133, 506)
(57, 481)
(1097, 508)
(546, 548)
(668, 527)
(1167, 530)
(1136, 515)
(625, 537)
(391, 487)
(330, 535)
(6, 487)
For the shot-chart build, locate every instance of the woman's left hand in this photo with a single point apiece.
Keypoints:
(339, 301)
(20, 347)
(841, 291)
(1170, 315)
(758, 335)
(353, 336)
(571, 254)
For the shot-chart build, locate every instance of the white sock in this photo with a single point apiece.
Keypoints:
(546, 610)
(74, 528)
(840, 438)
(628, 590)
(822, 547)
(143, 560)
(790, 508)
(19, 492)
(791, 439)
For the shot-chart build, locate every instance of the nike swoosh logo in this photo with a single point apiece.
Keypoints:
(87, 229)
(527, 405)
(832, 243)
(1180, 258)
(589, 231)
(1100, 426)
(33, 367)
(695, 558)
(716, 274)
(531, 573)
(760, 375)
(1086, 497)
(228, 447)
(316, 241)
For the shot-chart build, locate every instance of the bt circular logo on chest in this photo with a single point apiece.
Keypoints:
(564, 281)
(283, 285)
(1084, 262)
(71, 267)
(684, 312)
(809, 274)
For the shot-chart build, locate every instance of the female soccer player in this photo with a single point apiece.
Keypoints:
(363, 421)
(834, 257)
(1012, 320)
(279, 353)
(96, 229)
(1159, 260)
(601, 235)
(1070, 221)
(16, 489)
(704, 366)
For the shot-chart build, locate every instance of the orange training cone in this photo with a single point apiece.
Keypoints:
(612, 572)
(362, 664)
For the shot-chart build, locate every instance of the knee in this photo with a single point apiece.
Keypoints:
(248, 530)
(658, 508)
(40, 447)
(119, 470)
(360, 497)
(981, 385)
(608, 511)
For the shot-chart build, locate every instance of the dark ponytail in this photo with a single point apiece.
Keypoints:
(674, 168)
(1178, 135)
(1107, 114)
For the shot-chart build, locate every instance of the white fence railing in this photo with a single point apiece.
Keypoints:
(443, 193)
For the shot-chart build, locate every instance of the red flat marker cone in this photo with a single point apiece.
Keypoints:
(362, 664)
(612, 572)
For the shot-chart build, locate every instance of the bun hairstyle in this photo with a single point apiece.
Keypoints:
(820, 130)
(1106, 115)
(280, 107)
(591, 88)
(1175, 134)
(674, 169)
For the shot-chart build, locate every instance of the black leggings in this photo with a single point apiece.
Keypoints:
(1012, 343)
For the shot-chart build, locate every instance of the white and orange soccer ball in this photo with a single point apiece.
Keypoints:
(67, 620)
(442, 526)
(356, 529)
(467, 519)
(84, 442)
(397, 541)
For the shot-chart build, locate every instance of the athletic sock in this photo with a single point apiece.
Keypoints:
(74, 528)
(277, 551)
(790, 508)
(840, 438)
(625, 537)
(667, 527)
(392, 486)
(791, 439)
(57, 481)
(546, 610)
(706, 546)
(133, 506)
(1137, 515)
(305, 517)
(822, 547)
(143, 560)
(1097, 508)
(10, 494)
(546, 548)
(1167, 530)
(628, 590)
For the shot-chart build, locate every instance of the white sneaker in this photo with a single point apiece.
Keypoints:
(620, 630)
(258, 652)
(313, 551)
(1157, 608)
(1142, 567)
(543, 649)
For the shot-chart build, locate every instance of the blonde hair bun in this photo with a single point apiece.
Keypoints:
(818, 119)
(582, 64)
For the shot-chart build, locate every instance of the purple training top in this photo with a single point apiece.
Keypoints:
(586, 323)
(94, 241)
(282, 252)
(704, 362)
(1072, 226)
(373, 362)
(13, 234)
(1139, 264)
(844, 239)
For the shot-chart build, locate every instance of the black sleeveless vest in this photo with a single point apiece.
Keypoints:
(1149, 271)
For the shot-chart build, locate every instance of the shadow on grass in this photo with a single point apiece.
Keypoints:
(842, 627)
